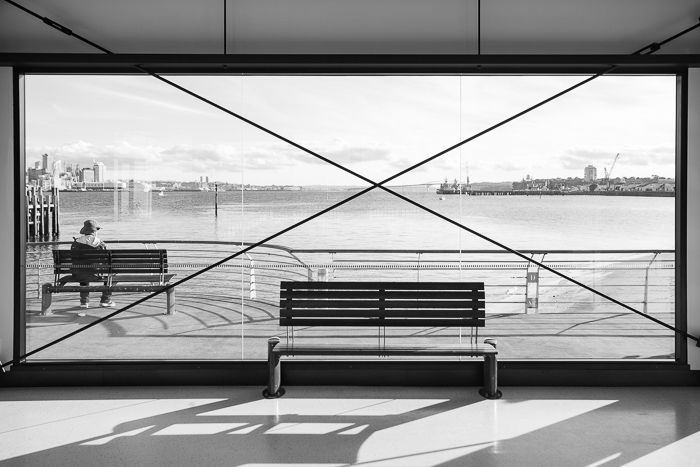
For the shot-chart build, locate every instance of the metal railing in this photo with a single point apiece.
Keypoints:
(638, 277)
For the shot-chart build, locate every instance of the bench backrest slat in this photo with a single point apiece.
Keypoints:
(341, 285)
(374, 322)
(382, 304)
(387, 294)
(390, 313)
(135, 261)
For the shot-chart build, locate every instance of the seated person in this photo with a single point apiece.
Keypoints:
(85, 275)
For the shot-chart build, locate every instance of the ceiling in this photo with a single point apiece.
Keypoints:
(352, 26)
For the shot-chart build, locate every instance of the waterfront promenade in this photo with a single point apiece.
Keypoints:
(212, 326)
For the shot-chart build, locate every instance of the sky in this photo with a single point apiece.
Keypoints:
(374, 125)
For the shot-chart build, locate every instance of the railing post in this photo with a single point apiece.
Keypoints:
(532, 286)
(646, 282)
(38, 280)
(418, 269)
(253, 286)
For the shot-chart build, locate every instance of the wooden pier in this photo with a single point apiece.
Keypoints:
(42, 208)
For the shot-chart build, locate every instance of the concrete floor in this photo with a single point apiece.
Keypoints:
(343, 426)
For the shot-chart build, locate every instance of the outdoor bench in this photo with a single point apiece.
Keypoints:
(382, 305)
(135, 270)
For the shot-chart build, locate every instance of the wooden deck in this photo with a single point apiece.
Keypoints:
(220, 327)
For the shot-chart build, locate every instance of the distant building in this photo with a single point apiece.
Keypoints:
(34, 174)
(590, 174)
(100, 172)
(45, 161)
(87, 175)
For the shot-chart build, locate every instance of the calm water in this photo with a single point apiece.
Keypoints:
(377, 219)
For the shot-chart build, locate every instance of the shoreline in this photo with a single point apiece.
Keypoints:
(653, 194)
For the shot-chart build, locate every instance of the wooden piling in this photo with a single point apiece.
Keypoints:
(42, 221)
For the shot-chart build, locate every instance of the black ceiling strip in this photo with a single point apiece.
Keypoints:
(225, 21)
(478, 27)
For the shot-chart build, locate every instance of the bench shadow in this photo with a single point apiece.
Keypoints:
(308, 430)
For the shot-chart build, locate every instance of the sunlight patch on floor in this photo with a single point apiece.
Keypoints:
(685, 451)
(306, 428)
(427, 441)
(39, 425)
(325, 407)
(198, 428)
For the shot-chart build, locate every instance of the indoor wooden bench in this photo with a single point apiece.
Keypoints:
(382, 305)
(123, 271)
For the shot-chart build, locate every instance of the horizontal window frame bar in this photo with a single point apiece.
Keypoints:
(356, 372)
(347, 63)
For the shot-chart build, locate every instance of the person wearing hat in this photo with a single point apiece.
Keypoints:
(89, 241)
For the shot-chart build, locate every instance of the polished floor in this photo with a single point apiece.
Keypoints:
(344, 426)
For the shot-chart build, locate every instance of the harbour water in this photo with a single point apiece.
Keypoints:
(377, 220)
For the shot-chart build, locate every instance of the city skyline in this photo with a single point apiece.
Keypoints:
(375, 126)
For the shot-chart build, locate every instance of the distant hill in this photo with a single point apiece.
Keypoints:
(492, 186)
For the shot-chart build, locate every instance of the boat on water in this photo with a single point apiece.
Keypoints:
(454, 188)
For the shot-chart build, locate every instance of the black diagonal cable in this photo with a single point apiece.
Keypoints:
(651, 48)
(58, 26)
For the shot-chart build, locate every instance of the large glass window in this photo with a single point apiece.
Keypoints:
(584, 185)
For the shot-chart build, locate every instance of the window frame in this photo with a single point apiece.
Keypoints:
(362, 65)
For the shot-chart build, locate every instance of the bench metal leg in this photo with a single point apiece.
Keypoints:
(274, 363)
(170, 301)
(46, 297)
(490, 389)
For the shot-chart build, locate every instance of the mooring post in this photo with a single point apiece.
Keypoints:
(56, 212)
(35, 215)
(216, 199)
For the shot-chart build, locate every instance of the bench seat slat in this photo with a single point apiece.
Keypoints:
(377, 304)
(130, 278)
(139, 270)
(388, 322)
(390, 349)
(394, 295)
(394, 313)
(382, 285)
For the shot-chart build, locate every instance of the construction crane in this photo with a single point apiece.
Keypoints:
(609, 173)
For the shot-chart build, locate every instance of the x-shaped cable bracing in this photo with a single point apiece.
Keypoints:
(644, 51)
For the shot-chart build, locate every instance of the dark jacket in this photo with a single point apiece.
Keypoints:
(85, 243)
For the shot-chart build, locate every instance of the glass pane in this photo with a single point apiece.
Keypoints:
(583, 186)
